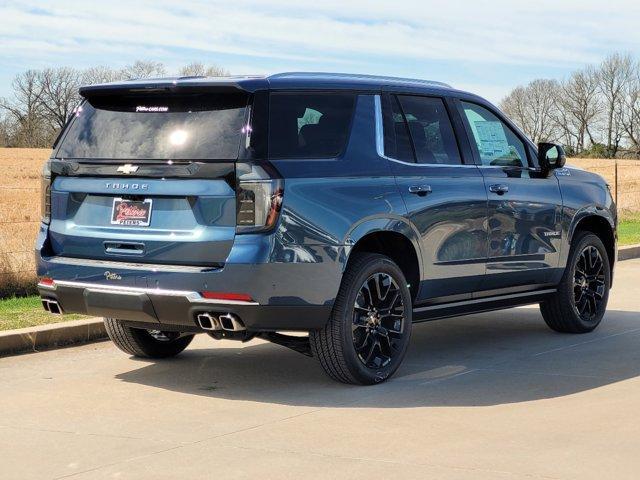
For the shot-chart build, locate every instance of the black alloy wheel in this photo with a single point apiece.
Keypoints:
(589, 283)
(378, 321)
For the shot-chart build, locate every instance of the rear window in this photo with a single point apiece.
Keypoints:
(309, 125)
(176, 127)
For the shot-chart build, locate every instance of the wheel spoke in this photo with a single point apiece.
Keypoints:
(371, 351)
(589, 282)
(377, 320)
(365, 339)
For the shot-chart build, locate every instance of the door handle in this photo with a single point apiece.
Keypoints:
(420, 190)
(499, 189)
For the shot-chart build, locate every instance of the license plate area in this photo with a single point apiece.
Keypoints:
(131, 213)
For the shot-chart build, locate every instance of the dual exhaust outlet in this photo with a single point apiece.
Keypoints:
(213, 322)
(52, 306)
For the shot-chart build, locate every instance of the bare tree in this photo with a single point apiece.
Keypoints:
(59, 94)
(43, 100)
(7, 130)
(630, 112)
(198, 69)
(100, 74)
(531, 107)
(579, 106)
(144, 69)
(26, 110)
(614, 74)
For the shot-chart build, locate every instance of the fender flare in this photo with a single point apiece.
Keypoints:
(590, 211)
(383, 223)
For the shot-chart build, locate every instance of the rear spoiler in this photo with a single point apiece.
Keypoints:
(176, 85)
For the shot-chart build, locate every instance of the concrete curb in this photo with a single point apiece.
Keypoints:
(55, 335)
(628, 252)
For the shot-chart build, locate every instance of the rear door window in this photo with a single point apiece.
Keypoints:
(309, 125)
(397, 143)
(432, 134)
(157, 127)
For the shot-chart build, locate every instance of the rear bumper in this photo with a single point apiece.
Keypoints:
(177, 309)
(292, 288)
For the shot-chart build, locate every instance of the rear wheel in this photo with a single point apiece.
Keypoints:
(581, 300)
(368, 333)
(146, 343)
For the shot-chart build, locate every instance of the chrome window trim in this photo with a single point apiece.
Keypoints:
(380, 144)
(192, 297)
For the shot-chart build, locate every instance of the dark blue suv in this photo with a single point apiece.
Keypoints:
(343, 206)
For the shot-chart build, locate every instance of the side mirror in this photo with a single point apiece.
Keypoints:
(550, 156)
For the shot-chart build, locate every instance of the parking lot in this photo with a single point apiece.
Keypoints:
(496, 395)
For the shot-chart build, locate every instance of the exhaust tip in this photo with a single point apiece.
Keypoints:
(207, 321)
(51, 306)
(231, 323)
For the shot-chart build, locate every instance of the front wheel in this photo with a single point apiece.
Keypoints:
(145, 343)
(581, 299)
(368, 333)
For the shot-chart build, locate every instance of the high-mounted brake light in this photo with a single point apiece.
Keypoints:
(236, 297)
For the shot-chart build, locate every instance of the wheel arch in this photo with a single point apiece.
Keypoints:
(603, 226)
(392, 237)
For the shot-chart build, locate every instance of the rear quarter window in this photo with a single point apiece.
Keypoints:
(309, 125)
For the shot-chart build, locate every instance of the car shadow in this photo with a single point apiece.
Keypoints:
(487, 359)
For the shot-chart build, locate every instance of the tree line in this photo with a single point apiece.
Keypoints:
(594, 112)
(42, 100)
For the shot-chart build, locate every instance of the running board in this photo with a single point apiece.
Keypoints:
(478, 305)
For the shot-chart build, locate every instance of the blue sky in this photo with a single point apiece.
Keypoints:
(484, 46)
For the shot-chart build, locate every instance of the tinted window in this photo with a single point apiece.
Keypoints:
(497, 144)
(309, 125)
(176, 127)
(397, 143)
(431, 132)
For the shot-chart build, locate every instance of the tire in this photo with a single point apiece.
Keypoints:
(354, 329)
(145, 343)
(571, 309)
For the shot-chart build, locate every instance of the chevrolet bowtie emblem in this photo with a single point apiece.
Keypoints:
(128, 168)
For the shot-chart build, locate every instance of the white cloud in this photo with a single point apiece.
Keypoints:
(373, 36)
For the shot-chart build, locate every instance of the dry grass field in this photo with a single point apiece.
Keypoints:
(628, 183)
(20, 205)
(19, 214)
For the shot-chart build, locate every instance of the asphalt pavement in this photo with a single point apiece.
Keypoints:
(496, 395)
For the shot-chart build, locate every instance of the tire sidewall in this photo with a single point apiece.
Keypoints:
(377, 264)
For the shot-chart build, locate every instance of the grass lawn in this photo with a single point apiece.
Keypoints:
(27, 312)
(629, 230)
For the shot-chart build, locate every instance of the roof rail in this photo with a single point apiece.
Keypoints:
(359, 76)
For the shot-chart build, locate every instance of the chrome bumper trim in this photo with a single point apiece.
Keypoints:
(153, 267)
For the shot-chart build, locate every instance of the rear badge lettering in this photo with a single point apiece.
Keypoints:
(112, 275)
(127, 186)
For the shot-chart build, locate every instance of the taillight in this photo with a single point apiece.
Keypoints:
(259, 198)
(45, 193)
